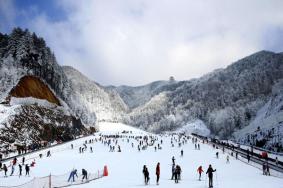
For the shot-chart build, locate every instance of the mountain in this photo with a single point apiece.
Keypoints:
(33, 93)
(226, 99)
(92, 102)
(56, 99)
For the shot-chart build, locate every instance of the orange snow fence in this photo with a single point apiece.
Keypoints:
(105, 171)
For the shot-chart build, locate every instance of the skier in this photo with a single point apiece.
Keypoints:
(48, 153)
(276, 161)
(72, 146)
(217, 155)
(72, 175)
(173, 160)
(13, 170)
(227, 159)
(20, 169)
(182, 153)
(157, 173)
(84, 172)
(5, 170)
(248, 157)
(27, 169)
(198, 147)
(91, 151)
(23, 160)
(14, 161)
(177, 173)
(199, 170)
(146, 174)
(210, 175)
(264, 168)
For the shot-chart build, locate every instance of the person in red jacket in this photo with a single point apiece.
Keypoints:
(157, 173)
(199, 170)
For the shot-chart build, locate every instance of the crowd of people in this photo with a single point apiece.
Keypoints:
(140, 143)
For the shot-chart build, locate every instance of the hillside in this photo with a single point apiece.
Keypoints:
(90, 101)
(225, 100)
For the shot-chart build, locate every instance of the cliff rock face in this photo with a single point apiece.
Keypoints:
(31, 86)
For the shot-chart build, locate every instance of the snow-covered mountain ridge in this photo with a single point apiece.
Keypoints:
(226, 100)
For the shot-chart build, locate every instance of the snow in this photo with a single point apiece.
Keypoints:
(109, 127)
(125, 168)
(197, 127)
(6, 112)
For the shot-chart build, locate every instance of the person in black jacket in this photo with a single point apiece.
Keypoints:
(5, 170)
(84, 172)
(27, 169)
(146, 174)
(210, 175)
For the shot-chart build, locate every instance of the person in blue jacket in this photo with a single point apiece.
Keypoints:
(72, 175)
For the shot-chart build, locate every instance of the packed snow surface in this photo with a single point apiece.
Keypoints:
(125, 168)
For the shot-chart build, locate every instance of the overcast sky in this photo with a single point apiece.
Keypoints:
(134, 42)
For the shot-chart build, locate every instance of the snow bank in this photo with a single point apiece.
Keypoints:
(108, 127)
(197, 127)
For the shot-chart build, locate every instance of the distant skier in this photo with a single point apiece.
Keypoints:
(27, 169)
(72, 146)
(146, 174)
(227, 159)
(157, 173)
(210, 175)
(249, 158)
(48, 153)
(177, 173)
(23, 160)
(14, 161)
(5, 170)
(199, 170)
(264, 168)
(173, 160)
(276, 161)
(72, 175)
(91, 151)
(182, 153)
(84, 173)
(13, 170)
(198, 147)
(20, 169)
(217, 155)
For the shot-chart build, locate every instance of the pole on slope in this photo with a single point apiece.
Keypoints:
(50, 180)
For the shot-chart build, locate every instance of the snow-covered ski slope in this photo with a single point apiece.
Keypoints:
(125, 168)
